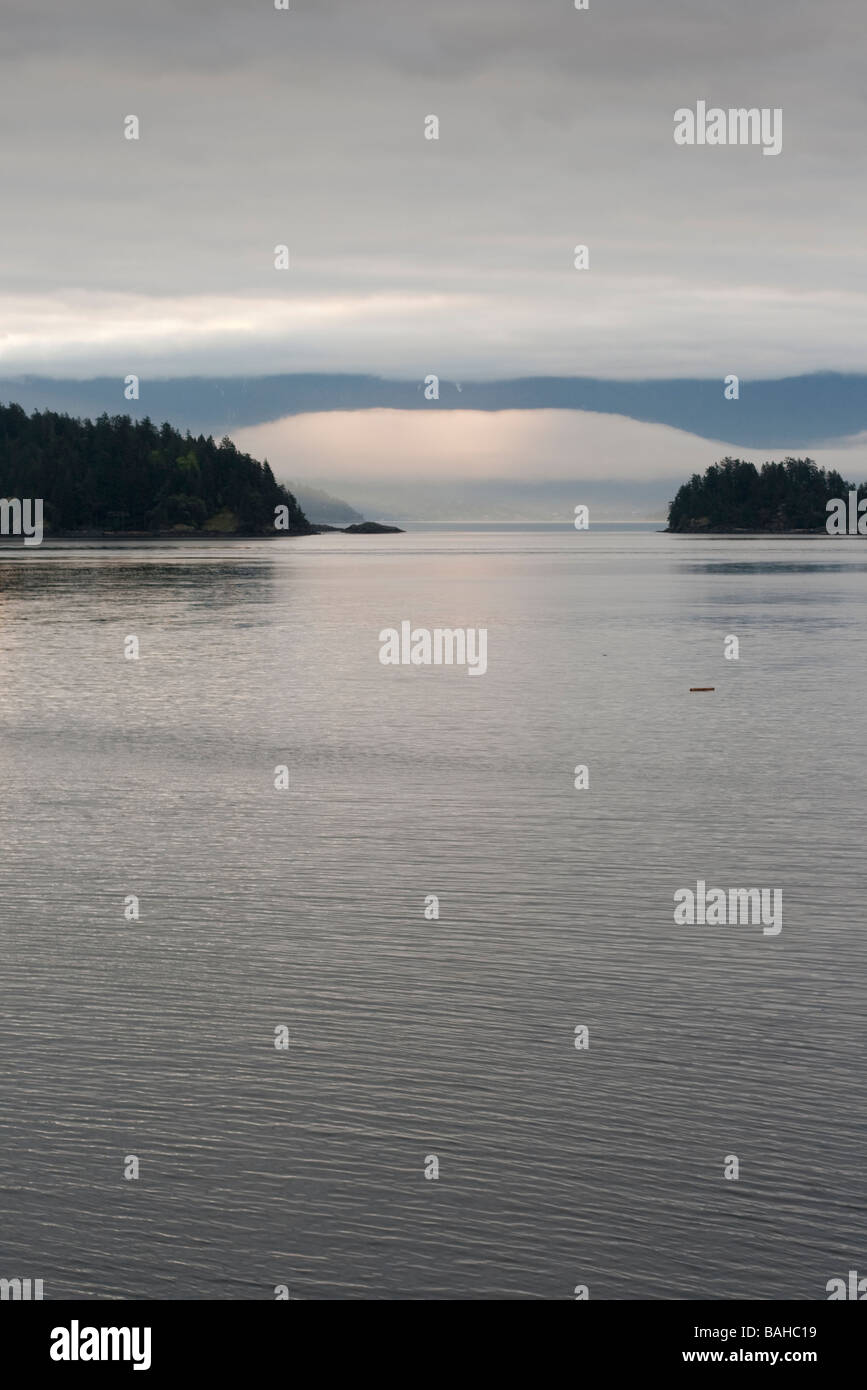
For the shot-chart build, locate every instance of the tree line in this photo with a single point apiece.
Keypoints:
(736, 495)
(119, 474)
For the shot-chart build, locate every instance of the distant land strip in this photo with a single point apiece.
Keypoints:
(792, 412)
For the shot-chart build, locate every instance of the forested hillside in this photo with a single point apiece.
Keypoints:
(735, 495)
(117, 474)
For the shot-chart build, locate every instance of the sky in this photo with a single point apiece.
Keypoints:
(306, 128)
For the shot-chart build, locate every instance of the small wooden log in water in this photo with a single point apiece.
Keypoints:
(702, 687)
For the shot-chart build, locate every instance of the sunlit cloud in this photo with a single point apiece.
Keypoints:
(623, 326)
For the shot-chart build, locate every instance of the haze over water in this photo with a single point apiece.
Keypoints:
(410, 1037)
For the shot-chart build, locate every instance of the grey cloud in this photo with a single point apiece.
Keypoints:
(449, 38)
(260, 127)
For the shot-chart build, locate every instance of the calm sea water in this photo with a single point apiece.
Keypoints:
(410, 1037)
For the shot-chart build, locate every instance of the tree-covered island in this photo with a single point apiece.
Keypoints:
(734, 495)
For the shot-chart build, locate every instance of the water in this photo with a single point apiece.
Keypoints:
(411, 1037)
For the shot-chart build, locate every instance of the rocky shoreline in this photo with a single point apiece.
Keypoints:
(359, 528)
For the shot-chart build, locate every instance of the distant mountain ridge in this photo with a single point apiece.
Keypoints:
(788, 412)
(319, 506)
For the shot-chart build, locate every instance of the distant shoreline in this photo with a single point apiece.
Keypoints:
(364, 528)
(744, 533)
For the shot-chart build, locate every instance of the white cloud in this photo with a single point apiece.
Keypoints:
(506, 464)
(611, 326)
(456, 444)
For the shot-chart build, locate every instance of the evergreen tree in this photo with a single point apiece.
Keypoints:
(733, 495)
(118, 474)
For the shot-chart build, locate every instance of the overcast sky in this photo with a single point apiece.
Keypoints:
(411, 256)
